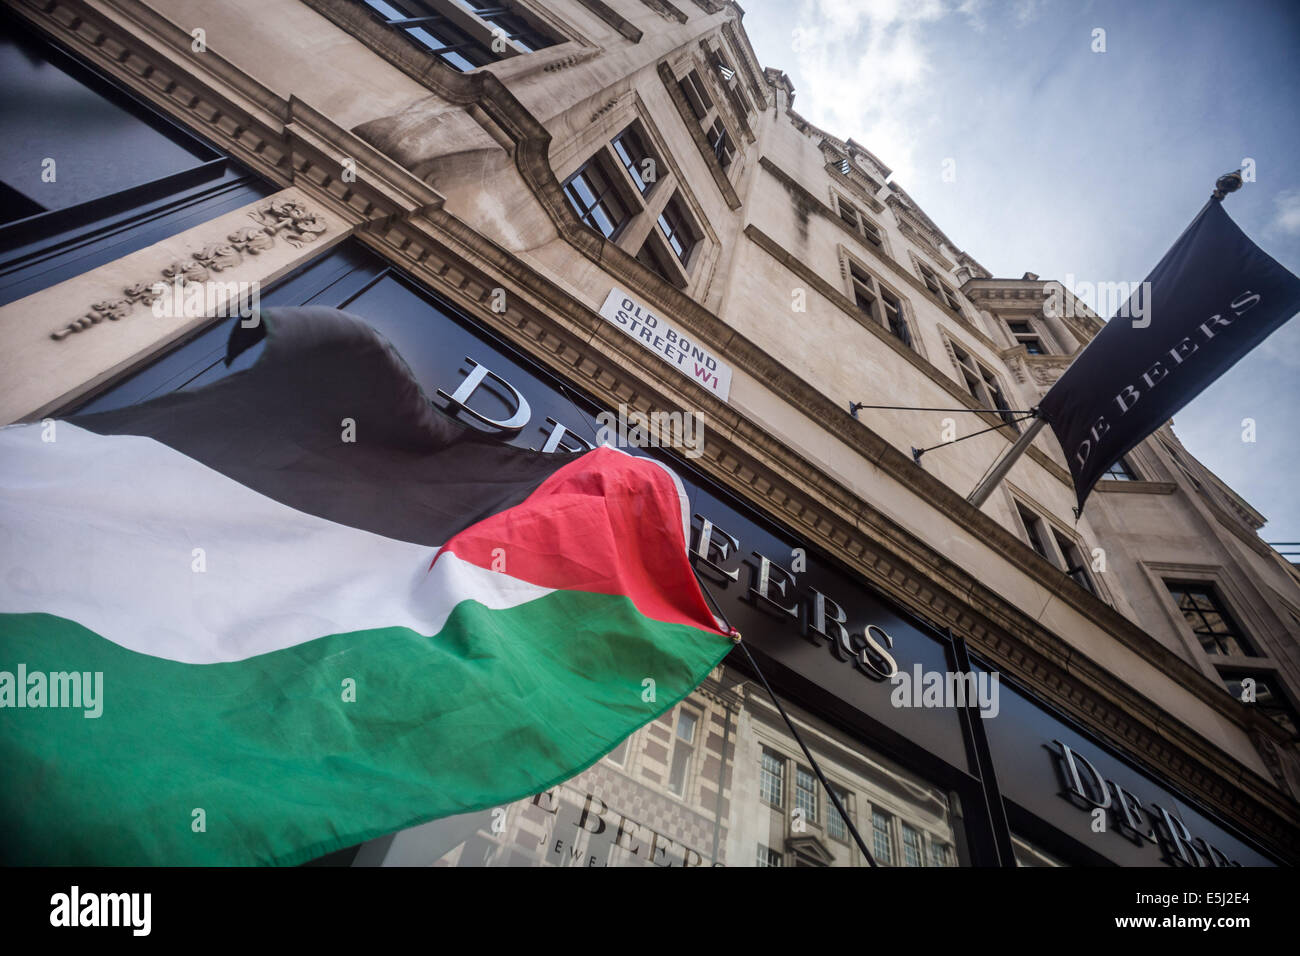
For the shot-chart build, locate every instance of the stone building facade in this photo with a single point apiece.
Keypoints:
(506, 171)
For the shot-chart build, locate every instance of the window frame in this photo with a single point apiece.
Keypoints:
(1249, 645)
(684, 746)
(599, 161)
(969, 367)
(464, 18)
(864, 283)
(766, 753)
(810, 811)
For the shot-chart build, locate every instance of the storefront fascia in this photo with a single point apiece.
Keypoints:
(825, 639)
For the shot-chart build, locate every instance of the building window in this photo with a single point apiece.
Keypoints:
(652, 256)
(1270, 703)
(619, 754)
(835, 825)
(461, 34)
(767, 857)
(1074, 563)
(677, 231)
(805, 794)
(913, 846)
(848, 213)
(940, 854)
(871, 231)
(683, 750)
(1036, 531)
(696, 95)
(879, 303)
(882, 837)
(982, 385)
(595, 199)
(1025, 334)
(639, 161)
(509, 22)
(771, 779)
(1209, 620)
(720, 143)
(1120, 471)
(941, 290)
(609, 200)
(858, 222)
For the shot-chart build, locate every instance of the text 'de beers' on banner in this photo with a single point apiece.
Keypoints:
(1212, 298)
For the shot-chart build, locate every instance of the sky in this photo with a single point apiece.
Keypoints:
(1077, 153)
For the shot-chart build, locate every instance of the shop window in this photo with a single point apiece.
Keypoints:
(683, 750)
(596, 199)
(1271, 703)
(641, 164)
(466, 34)
(1209, 619)
(1121, 470)
(69, 201)
(766, 856)
(878, 302)
(882, 837)
(805, 794)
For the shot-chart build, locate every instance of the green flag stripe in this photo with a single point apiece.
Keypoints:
(285, 770)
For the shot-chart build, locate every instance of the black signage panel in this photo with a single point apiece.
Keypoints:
(793, 607)
(1050, 769)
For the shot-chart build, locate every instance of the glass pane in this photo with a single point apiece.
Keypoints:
(52, 122)
(717, 801)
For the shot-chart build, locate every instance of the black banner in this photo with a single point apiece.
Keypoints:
(1212, 298)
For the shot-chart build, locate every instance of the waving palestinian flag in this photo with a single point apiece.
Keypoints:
(305, 641)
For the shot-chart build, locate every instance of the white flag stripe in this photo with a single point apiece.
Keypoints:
(103, 530)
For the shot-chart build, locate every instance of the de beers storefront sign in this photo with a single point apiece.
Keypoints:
(668, 342)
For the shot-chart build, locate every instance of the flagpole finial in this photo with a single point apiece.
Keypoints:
(1227, 183)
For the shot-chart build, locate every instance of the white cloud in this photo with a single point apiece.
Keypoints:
(864, 71)
(1286, 217)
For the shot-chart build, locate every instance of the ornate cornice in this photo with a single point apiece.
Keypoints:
(613, 18)
(570, 339)
(666, 10)
(280, 218)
